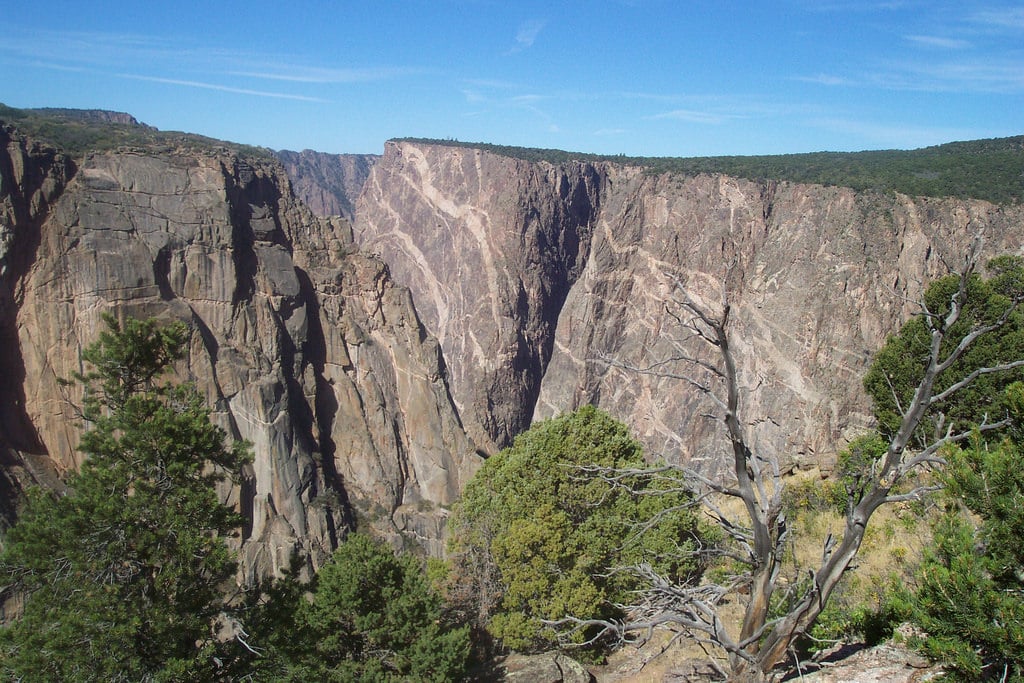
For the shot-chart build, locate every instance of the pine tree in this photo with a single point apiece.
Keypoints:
(970, 594)
(370, 615)
(124, 575)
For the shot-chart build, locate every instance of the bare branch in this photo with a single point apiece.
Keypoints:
(980, 372)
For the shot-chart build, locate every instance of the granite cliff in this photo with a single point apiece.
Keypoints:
(327, 183)
(541, 280)
(370, 362)
(304, 346)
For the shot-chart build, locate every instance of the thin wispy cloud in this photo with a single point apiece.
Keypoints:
(995, 76)
(58, 67)
(695, 116)
(863, 7)
(965, 76)
(528, 32)
(77, 47)
(473, 96)
(526, 35)
(218, 87)
(722, 108)
(1006, 18)
(171, 61)
(824, 79)
(895, 134)
(975, 75)
(493, 84)
(527, 99)
(939, 42)
(303, 74)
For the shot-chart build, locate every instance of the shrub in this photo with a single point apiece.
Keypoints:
(372, 616)
(541, 530)
(970, 599)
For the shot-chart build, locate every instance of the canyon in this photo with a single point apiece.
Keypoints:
(376, 326)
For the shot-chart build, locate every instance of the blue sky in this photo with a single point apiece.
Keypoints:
(637, 77)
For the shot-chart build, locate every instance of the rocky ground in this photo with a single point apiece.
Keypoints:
(854, 663)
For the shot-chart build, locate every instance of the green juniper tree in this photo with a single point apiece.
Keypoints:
(124, 575)
(542, 529)
(968, 391)
(369, 615)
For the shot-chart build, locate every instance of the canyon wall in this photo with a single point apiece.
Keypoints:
(371, 363)
(327, 183)
(302, 345)
(551, 286)
(490, 248)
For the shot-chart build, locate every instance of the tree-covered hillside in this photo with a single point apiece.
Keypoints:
(992, 170)
(78, 131)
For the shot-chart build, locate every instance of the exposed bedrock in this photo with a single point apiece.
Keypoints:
(303, 346)
(547, 286)
(328, 183)
(490, 248)
(368, 363)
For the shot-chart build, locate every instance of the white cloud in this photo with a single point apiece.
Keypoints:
(526, 35)
(491, 83)
(939, 42)
(172, 59)
(989, 76)
(695, 116)
(891, 135)
(307, 74)
(824, 79)
(972, 75)
(528, 32)
(218, 87)
(1010, 17)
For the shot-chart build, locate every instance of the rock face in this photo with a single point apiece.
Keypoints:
(542, 281)
(328, 183)
(532, 289)
(94, 116)
(303, 346)
(489, 247)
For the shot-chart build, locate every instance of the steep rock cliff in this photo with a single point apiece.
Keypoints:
(302, 345)
(489, 247)
(32, 176)
(328, 183)
(541, 281)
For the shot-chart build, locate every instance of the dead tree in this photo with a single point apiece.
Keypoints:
(759, 536)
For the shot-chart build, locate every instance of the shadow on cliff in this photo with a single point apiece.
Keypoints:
(29, 198)
(23, 195)
(325, 405)
(558, 254)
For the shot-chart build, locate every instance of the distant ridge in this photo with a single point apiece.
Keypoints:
(992, 169)
(78, 131)
(91, 116)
